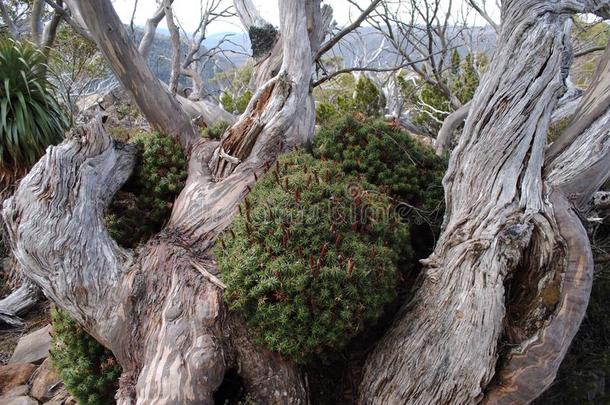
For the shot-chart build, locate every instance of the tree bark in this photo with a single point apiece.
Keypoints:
(512, 265)
(443, 346)
(150, 30)
(159, 308)
(453, 120)
(18, 303)
(36, 21)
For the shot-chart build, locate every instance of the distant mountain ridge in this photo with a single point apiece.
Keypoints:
(236, 49)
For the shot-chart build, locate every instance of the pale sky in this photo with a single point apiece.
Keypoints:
(188, 13)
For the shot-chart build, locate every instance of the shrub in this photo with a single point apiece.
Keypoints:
(236, 103)
(312, 257)
(389, 158)
(88, 370)
(367, 98)
(215, 131)
(30, 117)
(157, 180)
(351, 98)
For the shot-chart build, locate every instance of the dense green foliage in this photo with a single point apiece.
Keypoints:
(30, 117)
(215, 131)
(389, 158)
(158, 178)
(88, 370)
(349, 97)
(368, 99)
(431, 103)
(235, 104)
(312, 257)
(465, 78)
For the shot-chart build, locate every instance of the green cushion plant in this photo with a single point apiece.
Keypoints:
(312, 257)
(89, 371)
(390, 159)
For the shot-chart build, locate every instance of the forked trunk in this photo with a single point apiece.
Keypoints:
(159, 308)
(511, 240)
(513, 264)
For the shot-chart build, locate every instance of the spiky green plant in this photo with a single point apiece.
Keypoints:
(312, 258)
(30, 116)
(215, 131)
(392, 160)
(144, 204)
(89, 371)
(389, 158)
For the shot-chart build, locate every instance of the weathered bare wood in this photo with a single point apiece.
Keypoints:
(248, 14)
(459, 302)
(176, 45)
(567, 105)
(531, 366)
(150, 30)
(573, 176)
(451, 122)
(156, 103)
(36, 21)
(594, 103)
(50, 30)
(77, 26)
(160, 314)
(18, 303)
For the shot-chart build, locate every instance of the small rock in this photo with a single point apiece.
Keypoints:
(23, 400)
(46, 382)
(33, 347)
(17, 391)
(13, 375)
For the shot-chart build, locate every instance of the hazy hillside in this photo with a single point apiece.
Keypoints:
(236, 48)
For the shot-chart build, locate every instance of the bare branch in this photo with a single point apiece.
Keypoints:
(157, 104)
(248, 14)
(50, 30)
(8, 21)
(589, 51)
(133, 16)
(150, 29)
(451, 122)
(336, 38)
(74, 24)
(593, 104)
(482, 10)
(175, 38)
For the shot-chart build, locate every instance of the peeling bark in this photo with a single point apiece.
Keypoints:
(159, 308)
(443, 346)
(18, 303)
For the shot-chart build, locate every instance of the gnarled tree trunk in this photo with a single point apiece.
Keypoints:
(159, 308)
(513, 264)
